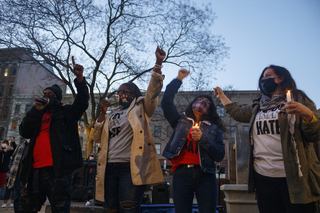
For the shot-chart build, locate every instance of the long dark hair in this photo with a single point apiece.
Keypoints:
(212, 114)
(287, 83)
(134, 89)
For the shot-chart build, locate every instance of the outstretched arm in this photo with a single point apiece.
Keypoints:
(220, 94)
(80, 104)
(169, 108)
(155, 85)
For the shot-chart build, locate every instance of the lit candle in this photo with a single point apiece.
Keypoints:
(196, 126)
(288, 96)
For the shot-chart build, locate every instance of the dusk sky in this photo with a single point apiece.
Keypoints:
(260, 33)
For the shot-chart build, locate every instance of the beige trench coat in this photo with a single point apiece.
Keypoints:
(144, 162)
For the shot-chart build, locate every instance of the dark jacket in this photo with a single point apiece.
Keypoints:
(211, 146)
(303, 189)
(5, 158)
(64, 136)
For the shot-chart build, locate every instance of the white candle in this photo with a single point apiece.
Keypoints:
(288, 96)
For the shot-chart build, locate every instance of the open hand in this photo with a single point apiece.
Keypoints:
(77, 70)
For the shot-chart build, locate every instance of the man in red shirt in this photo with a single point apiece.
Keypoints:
(54, 150)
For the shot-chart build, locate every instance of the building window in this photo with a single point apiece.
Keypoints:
(10, 90)
(1, 90)
(14, 125)
(6, 71)
(233, 130)
(246, 128)
(6, 112)
(157, 131)
(17, 109)
(220, 110)
(158, 148)
(28, 107)
(14, 70)
(169, 131)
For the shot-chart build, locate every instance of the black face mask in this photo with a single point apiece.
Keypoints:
(53, 101)
(268, 86)
(124, 101)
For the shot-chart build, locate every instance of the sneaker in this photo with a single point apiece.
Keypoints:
(11, 205)
(87, 203)
(4, 205)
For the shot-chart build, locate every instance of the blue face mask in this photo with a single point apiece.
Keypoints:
(124, 101)
(268, 86)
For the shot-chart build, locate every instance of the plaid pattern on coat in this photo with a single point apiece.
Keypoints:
(15, 161)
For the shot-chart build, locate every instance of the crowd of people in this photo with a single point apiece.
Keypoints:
(284, 170)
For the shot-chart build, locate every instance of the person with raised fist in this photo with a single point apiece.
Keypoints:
(54, 150)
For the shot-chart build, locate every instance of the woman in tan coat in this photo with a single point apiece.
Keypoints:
(128, 159)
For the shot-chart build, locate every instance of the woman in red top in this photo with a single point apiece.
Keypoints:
(194, 147)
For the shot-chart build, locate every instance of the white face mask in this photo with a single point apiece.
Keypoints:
(4, 146)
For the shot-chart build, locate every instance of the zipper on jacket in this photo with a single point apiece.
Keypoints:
(199, 149)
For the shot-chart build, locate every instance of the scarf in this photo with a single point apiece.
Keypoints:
(267, 103)
(15, 164)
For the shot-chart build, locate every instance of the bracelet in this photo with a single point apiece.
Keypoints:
(158, 66)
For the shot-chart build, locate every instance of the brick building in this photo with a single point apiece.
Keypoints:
(22, 79)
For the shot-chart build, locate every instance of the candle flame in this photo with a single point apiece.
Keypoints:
(196, 124)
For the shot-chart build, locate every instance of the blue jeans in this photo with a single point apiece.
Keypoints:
(186, 182)
(119, 189)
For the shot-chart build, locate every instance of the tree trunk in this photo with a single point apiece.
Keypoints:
(89, 144)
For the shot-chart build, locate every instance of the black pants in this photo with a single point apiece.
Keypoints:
(273, 196)
(45, 184)
(8, 193)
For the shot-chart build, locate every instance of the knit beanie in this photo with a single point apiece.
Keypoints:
(57, 90)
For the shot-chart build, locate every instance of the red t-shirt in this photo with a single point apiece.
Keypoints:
(189, 154)
(42, 155)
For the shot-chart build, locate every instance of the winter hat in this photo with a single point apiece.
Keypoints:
(57, 90)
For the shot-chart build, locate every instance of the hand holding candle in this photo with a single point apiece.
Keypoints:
(196, 126)
(196, 132)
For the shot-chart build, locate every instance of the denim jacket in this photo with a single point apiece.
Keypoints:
(211, 146)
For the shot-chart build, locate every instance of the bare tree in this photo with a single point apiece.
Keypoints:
(114, 40)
